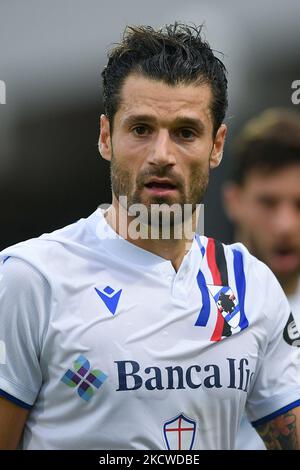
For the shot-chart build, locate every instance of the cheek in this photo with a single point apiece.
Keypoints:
(129, 157)
(257, 227)
(196, 168)
(125, 144)
(123, 163)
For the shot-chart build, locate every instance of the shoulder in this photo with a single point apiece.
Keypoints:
(28, 260)
(256, 271)
(51, 252)
(19, 273)
(239, 257)
(23, 287)
(253, 279)
(25, 301)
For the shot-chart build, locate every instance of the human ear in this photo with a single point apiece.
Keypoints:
(104, 143)
(217, 151)
(232, 201)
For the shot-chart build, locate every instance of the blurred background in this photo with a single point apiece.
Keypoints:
(51, 57)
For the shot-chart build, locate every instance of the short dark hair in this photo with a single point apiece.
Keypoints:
(267, 143)
(174, 54)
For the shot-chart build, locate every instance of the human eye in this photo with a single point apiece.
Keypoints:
(141, 130)
(187, 134)
(267, 202)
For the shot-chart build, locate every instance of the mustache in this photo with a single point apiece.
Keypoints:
(159, 173)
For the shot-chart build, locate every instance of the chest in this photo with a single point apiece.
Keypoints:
(144, 336)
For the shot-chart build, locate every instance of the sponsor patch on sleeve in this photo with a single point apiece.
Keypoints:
(290, 333)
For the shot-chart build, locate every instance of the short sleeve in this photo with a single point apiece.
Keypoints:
(24, 305)
(276, 386)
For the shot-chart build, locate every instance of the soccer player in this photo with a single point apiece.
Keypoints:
(263, 201)
(120, 334)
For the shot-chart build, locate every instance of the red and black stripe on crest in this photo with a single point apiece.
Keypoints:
(218, 267)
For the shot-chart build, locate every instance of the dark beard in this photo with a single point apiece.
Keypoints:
(122, 185)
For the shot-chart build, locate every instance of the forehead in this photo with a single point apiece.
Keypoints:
(144, 96)
(283, 182)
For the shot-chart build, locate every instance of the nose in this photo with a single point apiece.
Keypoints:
(162, 151)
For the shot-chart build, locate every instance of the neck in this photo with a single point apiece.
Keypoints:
(172, 248)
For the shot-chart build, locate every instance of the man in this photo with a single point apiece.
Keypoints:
(263, 201)
(120, 336)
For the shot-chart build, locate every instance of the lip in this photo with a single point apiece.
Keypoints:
(160, 181)
(160, 190)
(285, 262)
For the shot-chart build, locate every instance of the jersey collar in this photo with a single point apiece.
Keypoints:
(118, 246)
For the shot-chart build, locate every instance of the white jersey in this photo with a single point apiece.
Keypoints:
(294, 301)
(248, 438)
(113, 349)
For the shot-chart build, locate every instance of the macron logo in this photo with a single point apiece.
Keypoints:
(110, 297)
(2, 352)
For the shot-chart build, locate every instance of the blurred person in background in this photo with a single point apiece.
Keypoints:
(263, 201)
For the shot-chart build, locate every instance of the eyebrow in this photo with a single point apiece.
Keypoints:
(178, 121)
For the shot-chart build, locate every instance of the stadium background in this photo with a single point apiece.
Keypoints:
(51, 57)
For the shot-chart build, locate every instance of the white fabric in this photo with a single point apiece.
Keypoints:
(294, 301)
(82, 291)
